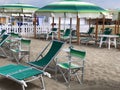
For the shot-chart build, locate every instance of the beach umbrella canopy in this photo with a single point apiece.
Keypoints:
(83, 9)
(73, 8)
(17, 8)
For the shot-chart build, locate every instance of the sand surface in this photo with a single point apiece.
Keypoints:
(102, 70)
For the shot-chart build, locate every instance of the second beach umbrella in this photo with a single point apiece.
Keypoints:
(74, 7)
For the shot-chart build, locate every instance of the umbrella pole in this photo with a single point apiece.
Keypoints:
(59, 28)
(103, 26)
(96, 32)
(89, 22)
(115, 26)
(52, 22)
(78, 30)
(70, 32)
(35, 20)
(64, 21)
(118, 28)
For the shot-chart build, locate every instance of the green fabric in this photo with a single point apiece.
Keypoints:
(10, 69)
(19, 72)
(107, 31)
(3, 31)
(67, 66)
(55, 47)
(67, 33)
(91, 30)
(77, 53)
(54, 29)
(25, 41)
(26, 74)
(4, 37)
(14, 35)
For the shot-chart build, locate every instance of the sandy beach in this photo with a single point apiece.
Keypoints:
(102, 70)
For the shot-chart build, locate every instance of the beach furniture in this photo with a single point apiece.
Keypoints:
(2, 42)
(104, 37)
(118, 41)
(71, 67)
(47, 55)
(22, 50)
(2, 32)
(52, 33)
(87, 37)
(66, 35)
(22, 74)
(11, 42)
(89, 32)
(69, 35)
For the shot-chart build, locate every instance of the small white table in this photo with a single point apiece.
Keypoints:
(109, 40)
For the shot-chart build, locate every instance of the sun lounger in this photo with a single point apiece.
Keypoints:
(22, 74)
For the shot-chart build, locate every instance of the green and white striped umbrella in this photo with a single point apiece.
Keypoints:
(83, 9)
(71, 8)
(18, 8)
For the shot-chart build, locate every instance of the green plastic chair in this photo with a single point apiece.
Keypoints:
(44, 59)
(22, 74)
(52, 33)
(107, 31)
(22, 50)
(70, 68)
(4, 38)
(66, 35)
(88, 36)
(90, 31)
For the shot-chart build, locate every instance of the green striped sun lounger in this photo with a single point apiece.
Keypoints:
(22, 74)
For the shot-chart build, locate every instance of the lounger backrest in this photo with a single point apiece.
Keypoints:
(55, 48)
(107, 31)
(67, 32)
(2, 32)
(4, 37)
(78, 53)
(54, 29)
(91, 30)
(15, 35)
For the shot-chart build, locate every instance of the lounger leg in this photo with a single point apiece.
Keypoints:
(82, 74)
(4, 52)
(42, 81)
(76, 74)
(16, 57)
(69, 77)
(56, 72)
(23, 88)
(63, 75)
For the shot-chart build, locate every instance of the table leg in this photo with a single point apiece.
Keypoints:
(115, 42)
(101, 41)
(109, 43)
